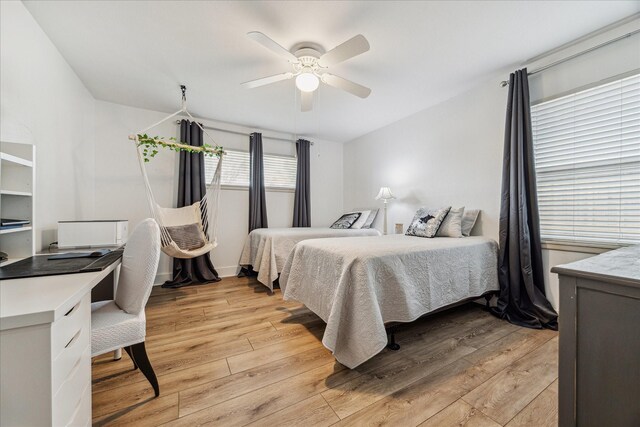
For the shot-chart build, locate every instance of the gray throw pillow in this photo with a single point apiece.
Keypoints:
(427, 221)
(346, 220)
(187, 237)
(469, 219)
(452, 224)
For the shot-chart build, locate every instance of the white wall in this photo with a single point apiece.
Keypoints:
(445, 155)
(41, 92)
(451, 154)
(120, 191)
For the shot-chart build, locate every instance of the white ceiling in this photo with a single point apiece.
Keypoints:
(137, 53)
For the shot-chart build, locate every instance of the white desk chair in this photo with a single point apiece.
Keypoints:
(122, 323)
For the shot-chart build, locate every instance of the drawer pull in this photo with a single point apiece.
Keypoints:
(73, 309)
(73, 340)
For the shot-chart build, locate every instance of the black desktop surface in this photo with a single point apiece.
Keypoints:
(40, 265)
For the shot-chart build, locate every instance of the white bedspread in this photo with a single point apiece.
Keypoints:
(358, 285)
(267, 249)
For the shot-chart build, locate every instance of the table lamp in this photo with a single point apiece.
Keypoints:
(386, 195)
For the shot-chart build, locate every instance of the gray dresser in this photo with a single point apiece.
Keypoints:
(599, 365)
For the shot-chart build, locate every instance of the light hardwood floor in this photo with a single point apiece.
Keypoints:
(231, 354)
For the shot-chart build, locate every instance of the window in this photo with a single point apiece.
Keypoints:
(587, 155)
(279, 170)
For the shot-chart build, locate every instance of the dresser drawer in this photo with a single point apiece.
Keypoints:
(67, 328)
(76, 386)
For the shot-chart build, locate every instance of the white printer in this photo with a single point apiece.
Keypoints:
(74, 234)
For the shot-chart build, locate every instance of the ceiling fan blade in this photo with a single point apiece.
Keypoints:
(352, 47)
(272, 46)
(266, 80)
(306, 101)
(346, 85)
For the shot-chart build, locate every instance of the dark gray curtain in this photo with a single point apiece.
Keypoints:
(302, 200)
(522, 298)
(191, 188)
(257, 199)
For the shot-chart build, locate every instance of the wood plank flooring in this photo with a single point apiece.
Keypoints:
(233, 354)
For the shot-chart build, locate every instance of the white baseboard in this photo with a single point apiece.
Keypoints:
(161, 278)
(229, 271)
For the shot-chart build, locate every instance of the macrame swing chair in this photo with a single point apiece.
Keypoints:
(190, 231)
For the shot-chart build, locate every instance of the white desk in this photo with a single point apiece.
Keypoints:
(45, 349)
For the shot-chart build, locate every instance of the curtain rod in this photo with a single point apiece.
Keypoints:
(575, 55)
(235, 132)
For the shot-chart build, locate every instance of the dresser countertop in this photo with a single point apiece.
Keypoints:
(620, 266)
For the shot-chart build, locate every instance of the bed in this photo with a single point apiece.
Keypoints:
(267, 249)
(357, 286)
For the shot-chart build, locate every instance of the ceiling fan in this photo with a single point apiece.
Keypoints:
(310, 63)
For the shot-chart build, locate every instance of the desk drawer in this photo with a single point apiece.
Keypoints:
(67, 328)
(77, 385)
(81, 417)
(69, 358)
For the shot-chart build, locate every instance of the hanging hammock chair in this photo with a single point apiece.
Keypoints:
(190, 231)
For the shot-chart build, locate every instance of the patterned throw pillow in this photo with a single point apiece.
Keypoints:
(427, 221)
(346, 220)
(187, 237)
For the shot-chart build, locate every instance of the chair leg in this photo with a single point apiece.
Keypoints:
(130, 353)
(141, 359)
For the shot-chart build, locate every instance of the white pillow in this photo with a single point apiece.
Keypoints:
(364, 215)
(469, 219)
(452, 224)
(372, 217)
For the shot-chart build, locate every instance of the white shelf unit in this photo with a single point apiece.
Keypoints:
(16, 230)
(17, 196)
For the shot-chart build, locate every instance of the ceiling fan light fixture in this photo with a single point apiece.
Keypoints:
(310, 62)
(307, 82)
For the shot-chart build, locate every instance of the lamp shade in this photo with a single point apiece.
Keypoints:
(385, 194)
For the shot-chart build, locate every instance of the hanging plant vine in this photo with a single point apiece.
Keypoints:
(150, 146)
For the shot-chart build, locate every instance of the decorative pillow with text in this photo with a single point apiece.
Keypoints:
(427, 221)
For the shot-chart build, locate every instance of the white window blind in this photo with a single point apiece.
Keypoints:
(587, 157)
(279, 171)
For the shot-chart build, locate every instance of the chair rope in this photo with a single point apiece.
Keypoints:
(208, 205)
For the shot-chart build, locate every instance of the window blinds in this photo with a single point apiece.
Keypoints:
(587, 157)
(279, 171)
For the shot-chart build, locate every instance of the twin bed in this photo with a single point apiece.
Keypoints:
(357, 285)
(360, 283)
(267, 249)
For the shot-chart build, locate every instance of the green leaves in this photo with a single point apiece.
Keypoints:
(150, 146)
